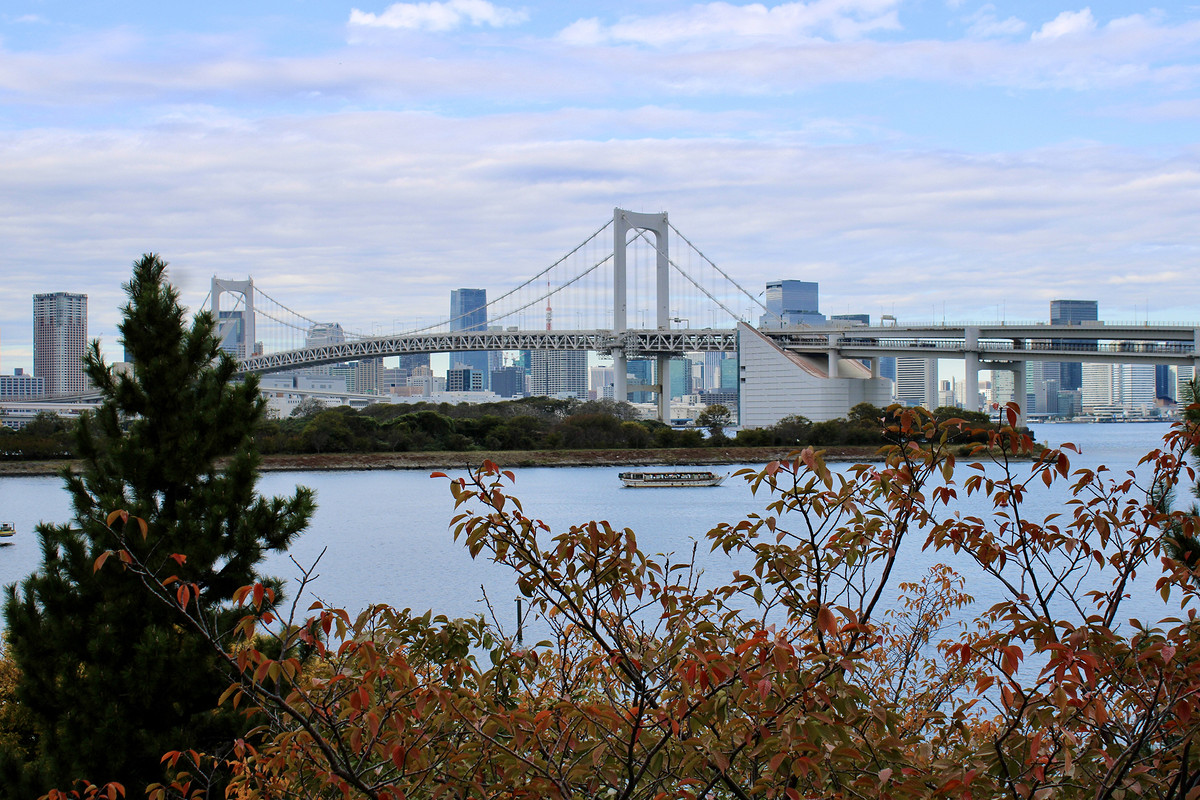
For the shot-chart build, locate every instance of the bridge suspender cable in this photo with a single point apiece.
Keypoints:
(726, 275)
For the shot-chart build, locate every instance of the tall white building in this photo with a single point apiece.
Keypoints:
(558, 372)
(912, 382)
(59, 341)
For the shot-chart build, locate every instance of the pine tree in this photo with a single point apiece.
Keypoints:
(110, 677)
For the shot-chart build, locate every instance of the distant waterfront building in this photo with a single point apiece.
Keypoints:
(791, 302)
(59, 341)
(468, 312)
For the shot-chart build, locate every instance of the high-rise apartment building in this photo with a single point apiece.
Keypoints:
(59, 341)
(558, 372)
(1072, 312)
(468, 312)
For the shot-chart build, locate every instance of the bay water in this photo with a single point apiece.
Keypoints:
(382, 536)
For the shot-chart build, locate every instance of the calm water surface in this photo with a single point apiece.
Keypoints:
(386, 533)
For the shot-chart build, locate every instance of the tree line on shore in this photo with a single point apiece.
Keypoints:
(533, 423)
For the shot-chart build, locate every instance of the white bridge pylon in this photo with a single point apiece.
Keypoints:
(624, 222)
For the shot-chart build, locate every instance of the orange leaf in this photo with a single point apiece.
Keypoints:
(100, 561)
(114, 515)
(825, 620)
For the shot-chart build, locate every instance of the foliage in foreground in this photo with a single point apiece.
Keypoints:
(810, 672)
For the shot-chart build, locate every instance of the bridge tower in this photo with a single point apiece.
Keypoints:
(624, 222)
(231, 329)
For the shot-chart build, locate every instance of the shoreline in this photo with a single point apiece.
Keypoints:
(509, 459)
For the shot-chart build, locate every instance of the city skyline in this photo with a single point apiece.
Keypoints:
(357, 159)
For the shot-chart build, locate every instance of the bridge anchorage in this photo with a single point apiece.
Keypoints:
(640, 296)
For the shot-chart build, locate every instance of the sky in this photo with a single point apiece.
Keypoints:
(917, 157)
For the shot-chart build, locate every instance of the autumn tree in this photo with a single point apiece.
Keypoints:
(109, 678)
(813, 670)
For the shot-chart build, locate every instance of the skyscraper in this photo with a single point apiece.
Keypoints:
(1072, 312)
(791, 303)
(59, 340)
(468, 312)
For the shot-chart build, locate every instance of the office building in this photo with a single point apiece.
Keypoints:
(59, 341)
(601, 383)
(729, 375)
(1072, 312)
(20, 386)
(680, 377)
(468, 312)
(464, 379)
(791, 303)
(411, 361)
(1164, 382)
(509, 382)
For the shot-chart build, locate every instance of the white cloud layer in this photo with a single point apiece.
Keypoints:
(439, 16)
(723, 25)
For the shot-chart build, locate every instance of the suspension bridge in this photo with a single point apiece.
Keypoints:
(637, 288)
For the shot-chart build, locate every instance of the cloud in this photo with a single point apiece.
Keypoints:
(725, 25)
(439, 16)
(984, 24)
(1068, 23)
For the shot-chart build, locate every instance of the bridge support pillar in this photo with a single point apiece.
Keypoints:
(620, 375)
(1020, 391)
(664, 389)
(971, 357)
(834, 341)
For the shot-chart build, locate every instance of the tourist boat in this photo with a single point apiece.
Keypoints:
(678, 478)
(7, 529)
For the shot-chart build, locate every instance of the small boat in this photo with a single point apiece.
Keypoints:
(7, 529)
(637, 480)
